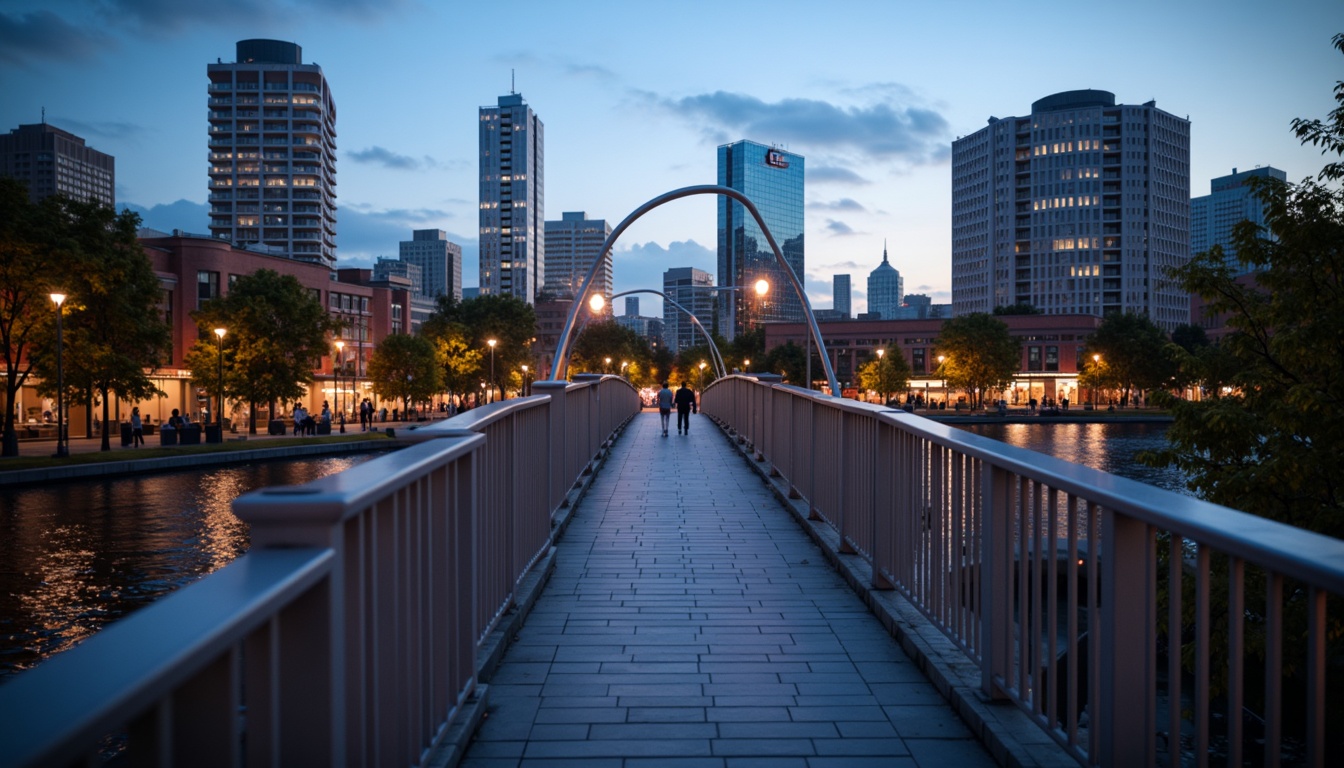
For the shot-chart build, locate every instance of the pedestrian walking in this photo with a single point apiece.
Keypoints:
(137, 428)
(664, 406)
(686, 405)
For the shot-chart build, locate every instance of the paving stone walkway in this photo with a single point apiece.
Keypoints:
(690, 623)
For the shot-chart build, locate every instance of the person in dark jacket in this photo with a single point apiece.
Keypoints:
(686, 405)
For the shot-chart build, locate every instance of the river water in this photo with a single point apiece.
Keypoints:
(1109, 447)
(75, 556)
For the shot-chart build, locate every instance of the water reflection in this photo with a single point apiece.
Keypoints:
(1109, 447)
(78, 555)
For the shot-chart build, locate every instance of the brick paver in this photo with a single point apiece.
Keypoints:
(691, 623)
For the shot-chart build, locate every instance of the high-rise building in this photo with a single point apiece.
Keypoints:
(513, 197)
(632, 306)
(1080, 207)
(273, 152)
(886, 288)
(773, 180)
(693, 289)
(840, 296)
(439, 260)
(52, 161)
(572, 245)
(1229, 203)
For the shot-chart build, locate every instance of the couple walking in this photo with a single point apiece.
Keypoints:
(685, 402)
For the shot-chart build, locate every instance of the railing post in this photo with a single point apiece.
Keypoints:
(1127, 676)
(996, 580)
(557, 483)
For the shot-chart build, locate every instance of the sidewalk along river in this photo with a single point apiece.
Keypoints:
(78, 555)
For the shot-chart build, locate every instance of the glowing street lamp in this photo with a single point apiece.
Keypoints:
(623, 365)
(1096, 360)
(525, 392)
(608, 365)
(881, 374)
(746, 366)
(492, 343)
(219, 413)
(596, 303)
(62, 449)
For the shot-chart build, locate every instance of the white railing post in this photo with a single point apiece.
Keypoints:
(557, 480)
(996, 580)
(1127, 563)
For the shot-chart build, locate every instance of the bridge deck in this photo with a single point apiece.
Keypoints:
(691, 623)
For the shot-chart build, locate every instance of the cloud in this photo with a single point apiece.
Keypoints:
(834, 174)
(889, 130)
(641, 266)
(839, 228)
(174, 16)
(112, 131)
(843, 204)
(165, 217)
(26, 37)
(389, 159)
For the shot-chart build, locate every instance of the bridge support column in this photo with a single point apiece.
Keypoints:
(557, 479)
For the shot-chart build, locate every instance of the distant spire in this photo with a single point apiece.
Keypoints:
(884, 250)
(512, 82)
(44, 119)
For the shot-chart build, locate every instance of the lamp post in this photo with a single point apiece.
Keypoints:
(702, 375)
(623, 365)
(219, 412)
(1096, 361)
(881, 372)
(525, 381)
(62, 449)
(492, 343)
(340, 360)
(746, 365)
(608, 369)
(941, 358)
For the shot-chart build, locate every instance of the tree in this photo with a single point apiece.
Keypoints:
(885, 374)
(688, 369)
(459, 360)
(788, 360)
(27, 266)
(1272, 442)
(113, 329)
(510, 321)
(403, 366)
(1020, 308)
(598, 341)
(980, 354)
(1133, 350)
(277, 334)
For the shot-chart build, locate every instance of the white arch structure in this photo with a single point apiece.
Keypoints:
(715, 354)
(561, 364)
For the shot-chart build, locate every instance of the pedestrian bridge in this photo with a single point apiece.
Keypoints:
(800, 580)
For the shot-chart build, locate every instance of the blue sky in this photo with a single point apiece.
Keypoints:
(635, 96)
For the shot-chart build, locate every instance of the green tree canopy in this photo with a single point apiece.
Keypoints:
(687, 367)
(114, 328)
(886, 374)
(28, 264)
(1132, 349)
(598, 341)
(510, 321)
(980, 354)
(458, 358)
(1020, 308)
(788, 360)
(276, 336)
(404, 366)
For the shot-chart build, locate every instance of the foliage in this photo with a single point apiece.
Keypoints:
(748, 345)
(27, 267)
(1020, 308)
(510, 321)
(404, 366)
(788, 360)
(276, 337)
(886, 374)
(1272, 442)
(609, 339)
(981, 355)
(1132, 352)
(458, 359)
(688, 368)
(113, 328)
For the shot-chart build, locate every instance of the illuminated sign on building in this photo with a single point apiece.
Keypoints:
(775, 159)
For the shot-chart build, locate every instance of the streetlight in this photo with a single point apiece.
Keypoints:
(219, 413)
(746, 365)
(340, 360)
(623, 365)
(492, 343)
(608, 365)
(881, 378)
(702, 375)
(524, 381)
(62, 449)
(941, 358)
(1096, 360)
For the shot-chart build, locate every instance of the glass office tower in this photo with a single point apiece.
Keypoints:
(773, 180)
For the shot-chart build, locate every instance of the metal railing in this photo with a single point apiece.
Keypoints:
(348, 634)
(1076, 592)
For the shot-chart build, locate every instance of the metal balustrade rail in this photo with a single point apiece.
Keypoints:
(348, 634)
(1061, 581)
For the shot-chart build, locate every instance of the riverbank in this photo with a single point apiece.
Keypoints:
(1072, 416)
(87, 460)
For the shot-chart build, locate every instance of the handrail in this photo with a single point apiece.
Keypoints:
(348, 633)
(1047, 574)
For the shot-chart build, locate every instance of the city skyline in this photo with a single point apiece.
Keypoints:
(873, 105)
